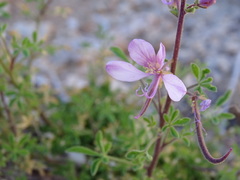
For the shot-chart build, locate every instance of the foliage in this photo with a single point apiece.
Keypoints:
(39, 132)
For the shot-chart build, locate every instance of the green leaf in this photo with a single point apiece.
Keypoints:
(223, 116)
(133, 154)
(174, 132)
(3, 28)
(99, 141)
(118, 52)
(147, 120)
(94, 167)
(215, 120)
(26, 52)
(186, 141)
(195, 70)
(221, 100)
(83, 150)
(208, 80)
(34, 36)
(174, 115)
(188, 134)
(166, 118)
(2, 4)
(165, 127)
(25, 42)
(148, 156)
(150, 121)
(107, 147)
(209, 87)
(204, 73)
(181, 122)
(174, 12)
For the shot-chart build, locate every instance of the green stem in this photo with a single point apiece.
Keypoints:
(192, 86)
(123, 161)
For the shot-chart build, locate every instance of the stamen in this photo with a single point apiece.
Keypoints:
(139, 95)
(144, 91)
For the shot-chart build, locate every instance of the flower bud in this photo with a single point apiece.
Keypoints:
(206, 3)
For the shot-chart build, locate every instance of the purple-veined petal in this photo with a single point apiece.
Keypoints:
(144, 108)
(141, 52)
(151, 91)
(124, 71)
(167, 2)
(175, 87)
(161, 55)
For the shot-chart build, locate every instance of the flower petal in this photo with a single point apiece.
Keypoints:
(141, 52)
(167, 2)
(161, 55)
(124, 71)
(205, 104)
(153, 87)
(175, 87)
(144, 108)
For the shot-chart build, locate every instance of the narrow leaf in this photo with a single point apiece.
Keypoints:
(118, 52)
(174, 132)
(83, 150)
(133, 154)
(165, 127)
(166, 118)
(107, 147)
(208, 80)
(94, 167)
(181, 122)
(3, 28)
(186, 141)
(221, 100)
(174, 115)
(99, 141)
(195, 70)
(204, 73)
(223, 116)
(25, 52)
(209, 87)
(35, 36)
(215, 120)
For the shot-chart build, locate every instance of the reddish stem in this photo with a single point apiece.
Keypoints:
(200, 137)
(8, 113)
(158, 146)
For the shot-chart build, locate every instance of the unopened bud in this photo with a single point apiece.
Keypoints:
(206, 3)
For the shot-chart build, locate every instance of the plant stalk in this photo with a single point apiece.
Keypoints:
(160, 145)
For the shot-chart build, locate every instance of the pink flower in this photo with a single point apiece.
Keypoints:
(205, 104)
(172, 3)
(206, 3)
(143, 54)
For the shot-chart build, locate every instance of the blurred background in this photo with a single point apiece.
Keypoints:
(74, 97)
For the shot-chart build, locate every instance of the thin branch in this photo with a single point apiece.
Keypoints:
(159, 147)
(192, 86)
(9, 115)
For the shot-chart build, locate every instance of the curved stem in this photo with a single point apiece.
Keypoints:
(200, 137)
